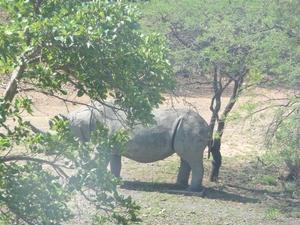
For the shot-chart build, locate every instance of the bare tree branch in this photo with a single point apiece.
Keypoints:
(12, 86)
(26, 158)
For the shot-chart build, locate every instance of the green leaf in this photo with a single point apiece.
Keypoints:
(80, 93)
(4, 142)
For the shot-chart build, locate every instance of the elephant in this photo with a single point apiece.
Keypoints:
(182, 131)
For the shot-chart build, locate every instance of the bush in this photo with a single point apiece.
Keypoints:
(284, 143)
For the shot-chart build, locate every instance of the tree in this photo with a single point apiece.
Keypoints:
(96, 47)
(283, 139)
(229, 45)
(282, 135)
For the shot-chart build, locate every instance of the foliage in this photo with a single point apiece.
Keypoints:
(258, 38)
(269, 180)
(283, 133)
(283, 139)
(272, 213)
(39, 194)
(96, 47)
(232, 45)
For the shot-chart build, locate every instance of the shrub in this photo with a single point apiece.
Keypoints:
(284, 144)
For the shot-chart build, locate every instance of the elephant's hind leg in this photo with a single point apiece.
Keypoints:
(195, 163)
(183, 173)
(197, 176)
(115, 164)
(189, 145)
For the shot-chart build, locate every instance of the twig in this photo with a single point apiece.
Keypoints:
(26, 158)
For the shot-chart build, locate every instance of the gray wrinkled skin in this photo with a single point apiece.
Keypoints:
(177, 130)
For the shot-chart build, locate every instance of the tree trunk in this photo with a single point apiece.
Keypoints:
(215, 149)
(12, 86)
(217, 160)
(215, 108)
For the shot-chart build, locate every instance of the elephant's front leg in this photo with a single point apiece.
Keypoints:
(183, 173)
(115, 164)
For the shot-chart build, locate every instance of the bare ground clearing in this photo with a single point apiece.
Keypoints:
(247, 193)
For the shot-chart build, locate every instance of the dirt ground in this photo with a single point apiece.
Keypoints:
(238, 197)
(236, 139)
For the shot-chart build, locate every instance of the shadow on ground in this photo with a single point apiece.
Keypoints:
(210, 193)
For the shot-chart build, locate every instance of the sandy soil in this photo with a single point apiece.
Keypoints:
(237, 139)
